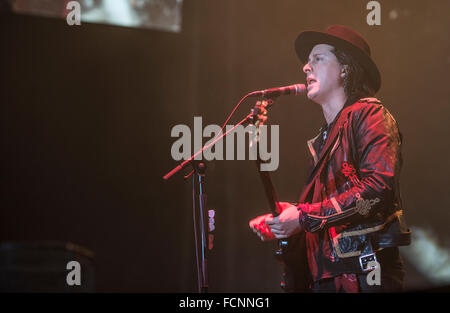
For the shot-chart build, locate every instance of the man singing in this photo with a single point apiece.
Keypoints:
(350, 210)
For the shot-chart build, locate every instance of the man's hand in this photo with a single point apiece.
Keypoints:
(286, 224)
(283, 226)
(259, 226)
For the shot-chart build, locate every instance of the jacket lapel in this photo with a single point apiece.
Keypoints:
(329, 147)
(312, 149)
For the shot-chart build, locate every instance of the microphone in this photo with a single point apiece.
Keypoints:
(296, 89)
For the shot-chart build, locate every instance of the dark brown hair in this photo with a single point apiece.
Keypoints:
(356, 81)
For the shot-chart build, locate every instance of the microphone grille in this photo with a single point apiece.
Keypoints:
(299, 88)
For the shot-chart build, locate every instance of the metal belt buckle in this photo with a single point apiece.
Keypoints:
(365, 260)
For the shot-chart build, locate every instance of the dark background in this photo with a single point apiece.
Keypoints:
(87, 113)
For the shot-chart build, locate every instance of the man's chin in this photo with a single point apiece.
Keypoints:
(314, 97)
(311, 95)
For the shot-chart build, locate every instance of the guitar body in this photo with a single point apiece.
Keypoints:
(296, 275)
(291, 252)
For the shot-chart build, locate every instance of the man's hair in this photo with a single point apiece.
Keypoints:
(356, 81)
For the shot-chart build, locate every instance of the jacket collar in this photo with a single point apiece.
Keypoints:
(312, 143)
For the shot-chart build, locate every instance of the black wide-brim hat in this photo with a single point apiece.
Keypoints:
(343, 38)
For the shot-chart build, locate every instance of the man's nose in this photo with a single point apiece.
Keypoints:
(307, 68)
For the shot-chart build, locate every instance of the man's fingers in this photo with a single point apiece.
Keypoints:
(278, 233)
(276, 227)
(271, 221)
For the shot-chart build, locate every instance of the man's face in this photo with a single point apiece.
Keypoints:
(323, 73)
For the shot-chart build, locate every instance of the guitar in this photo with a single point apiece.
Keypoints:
(290, 252)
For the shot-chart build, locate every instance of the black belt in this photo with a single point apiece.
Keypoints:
(362, 264)
(356, 265)
(390, 240)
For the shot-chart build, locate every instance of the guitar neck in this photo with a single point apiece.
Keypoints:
(269, 189)
(259, 116)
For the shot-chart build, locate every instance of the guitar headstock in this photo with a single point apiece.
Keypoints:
(259, 117)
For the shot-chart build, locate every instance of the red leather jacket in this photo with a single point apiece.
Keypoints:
(350, 207)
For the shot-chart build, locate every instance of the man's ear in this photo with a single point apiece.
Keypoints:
(344, 71)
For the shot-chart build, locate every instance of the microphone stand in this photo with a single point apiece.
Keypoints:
(199, 169)
(202, 269)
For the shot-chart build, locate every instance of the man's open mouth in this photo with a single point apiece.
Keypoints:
(311, 81)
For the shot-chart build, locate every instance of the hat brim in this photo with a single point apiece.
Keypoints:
(306, 41)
